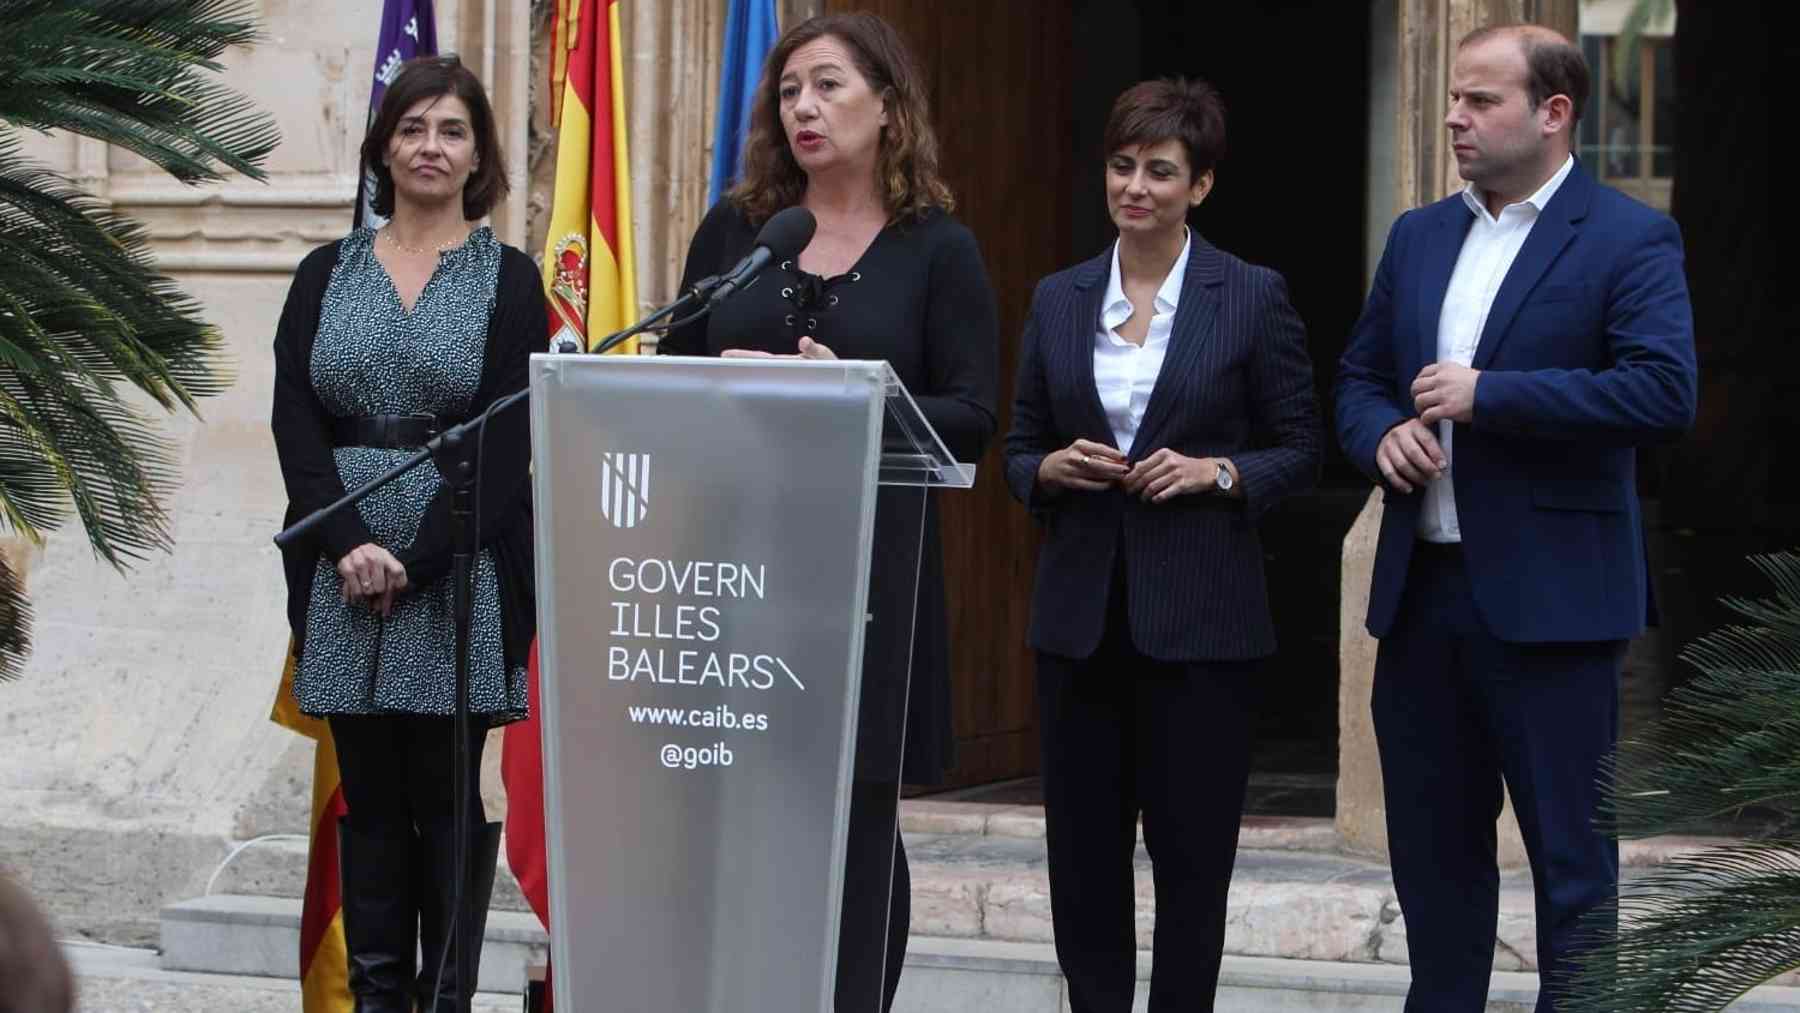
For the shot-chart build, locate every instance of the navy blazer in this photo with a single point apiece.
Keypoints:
(1587, 353)
(1236, 382)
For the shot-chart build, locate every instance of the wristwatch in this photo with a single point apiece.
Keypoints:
(1222, 481)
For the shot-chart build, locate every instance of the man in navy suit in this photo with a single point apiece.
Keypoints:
(1521, 339)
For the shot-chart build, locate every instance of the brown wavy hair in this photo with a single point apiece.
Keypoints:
(906, 167)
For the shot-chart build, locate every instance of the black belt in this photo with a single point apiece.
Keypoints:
(388, 432)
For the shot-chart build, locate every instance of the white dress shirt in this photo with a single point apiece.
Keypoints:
(1487, 254)
(1124, 373)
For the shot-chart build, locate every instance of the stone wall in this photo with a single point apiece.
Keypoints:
(138, 746)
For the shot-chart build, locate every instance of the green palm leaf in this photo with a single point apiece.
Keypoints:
(1698, 932)
(15, 623)
(92, 337)
(129, 72)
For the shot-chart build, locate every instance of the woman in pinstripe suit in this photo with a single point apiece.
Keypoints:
(1164, 400)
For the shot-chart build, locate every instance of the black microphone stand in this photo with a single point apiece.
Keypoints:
(700, 290)
(454, 453)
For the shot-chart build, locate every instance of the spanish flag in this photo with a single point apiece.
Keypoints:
(590, 282)
(589, 275)
(324, 967)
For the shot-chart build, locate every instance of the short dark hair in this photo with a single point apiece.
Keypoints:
(1553, 64)
(1172, 108)
(434, 77)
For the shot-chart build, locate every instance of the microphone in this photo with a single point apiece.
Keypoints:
(782, 238)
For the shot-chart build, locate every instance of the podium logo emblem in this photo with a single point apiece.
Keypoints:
(624, 488)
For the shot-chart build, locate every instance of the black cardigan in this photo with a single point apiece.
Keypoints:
(517, 327)
(918, 298)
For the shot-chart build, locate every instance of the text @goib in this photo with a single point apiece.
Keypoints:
(691, 757)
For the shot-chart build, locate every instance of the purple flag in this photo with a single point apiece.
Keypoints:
(408, 29)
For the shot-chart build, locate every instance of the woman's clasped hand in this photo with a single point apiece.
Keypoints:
(1089, 466)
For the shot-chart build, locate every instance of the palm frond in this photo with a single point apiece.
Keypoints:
(1698, 932)
(87, 324)
(106, 459)
(81, 287)
(15, 623)
(85, 319)
(135, 73)
(1728, 743)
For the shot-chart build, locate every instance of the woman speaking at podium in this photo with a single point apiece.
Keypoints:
(1164, 400)
(389, 336)
(839, 126)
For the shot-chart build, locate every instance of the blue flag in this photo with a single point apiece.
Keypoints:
(750, 31)
(408, 29)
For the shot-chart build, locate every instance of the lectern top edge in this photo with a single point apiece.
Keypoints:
(912, 453)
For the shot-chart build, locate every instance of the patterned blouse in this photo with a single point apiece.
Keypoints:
(373, 356)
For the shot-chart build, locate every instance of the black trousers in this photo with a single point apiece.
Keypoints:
(1457, 712)
(396, 770)
(1125, 735)
(877, 907)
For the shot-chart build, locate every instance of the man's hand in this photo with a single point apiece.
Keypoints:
(1445, 390)
(1409, 456)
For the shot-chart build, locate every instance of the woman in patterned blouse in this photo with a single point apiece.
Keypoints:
(388, 336)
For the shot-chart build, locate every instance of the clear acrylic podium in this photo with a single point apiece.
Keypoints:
(727, 558)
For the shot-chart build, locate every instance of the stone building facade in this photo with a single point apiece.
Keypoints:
(138, 747)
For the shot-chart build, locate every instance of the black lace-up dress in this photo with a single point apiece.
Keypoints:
(918, 298)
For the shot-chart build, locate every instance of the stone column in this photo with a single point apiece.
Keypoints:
(672, 92)
(1428, 31)
(493, 38)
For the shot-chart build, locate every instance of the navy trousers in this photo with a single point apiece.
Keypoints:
(1125, 735)
(1458, 712)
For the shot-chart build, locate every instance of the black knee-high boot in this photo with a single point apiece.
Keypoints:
(380, 915)
(435, 910)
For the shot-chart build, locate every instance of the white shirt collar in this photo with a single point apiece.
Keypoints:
(1115, 308)
(1539, 200)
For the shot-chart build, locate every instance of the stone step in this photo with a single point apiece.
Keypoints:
(983, 976)
(120, 979)
(257, 937)
(980, 872)
(234, 934)
(275, 866)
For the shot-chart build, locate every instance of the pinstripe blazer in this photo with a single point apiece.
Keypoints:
(1236, 383)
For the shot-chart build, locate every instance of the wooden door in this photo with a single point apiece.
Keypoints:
(998, 81)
